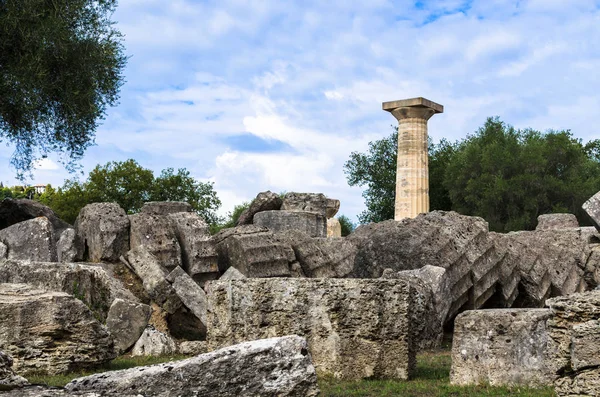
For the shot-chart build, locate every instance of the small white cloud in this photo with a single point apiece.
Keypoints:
(46, 164)
(334, 95)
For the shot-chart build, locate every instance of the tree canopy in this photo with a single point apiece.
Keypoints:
(504, 175)
(61, 66)
(130, 185)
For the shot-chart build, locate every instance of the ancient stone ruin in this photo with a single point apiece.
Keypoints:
(359, 307)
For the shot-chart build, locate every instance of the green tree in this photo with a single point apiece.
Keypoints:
(232, 217)
(347, 225)
(376, 170)
(61, 66)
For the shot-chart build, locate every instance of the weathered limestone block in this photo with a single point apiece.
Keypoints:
(570, 311)
(311, 202)
(30, 240)
(592, 267)
(273, 367)
(3, 251)
(581, 384)
(8, 379)
(199, 256)
(153, 343)
(14, 211)
(165, 207)
(334, 228)
(232, 274)
(192, 347)
(103, 229)
(254, 251)
(502, 347)
(509, 276)
(89, 283)
(585, 345)
(320, 257)
(313, 224)
(355, 328)
(51, 332)
(265, 201)
(428, 325)
(126, 321)
(190, 293)
(592, 208)
(154, 279)
(69, 248)
(556, 222)
(157, 235)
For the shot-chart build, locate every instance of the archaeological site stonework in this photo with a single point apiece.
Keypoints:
(268, 306)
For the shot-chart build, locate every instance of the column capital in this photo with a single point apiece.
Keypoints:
(413, 108)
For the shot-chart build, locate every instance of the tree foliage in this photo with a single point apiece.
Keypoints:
(347, 225)
(130, 185)
(504, 175)
(61, 66)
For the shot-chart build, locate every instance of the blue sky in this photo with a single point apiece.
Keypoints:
(276, 94)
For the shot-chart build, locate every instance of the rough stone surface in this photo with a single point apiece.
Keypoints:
(355, 328)
(89, 283)
(232, 274)
(126, 321)
(311, 202)
(103, 229)
(427, 323)
(334, 228)
(502, 347)
(585, 345)
(592, 208)
(50, 331)
(192, 347)
(190, 293)
(154, 279)
(3, 251)
(273, 367)
(153, 343)
(156, 234)
(42, 391)
(199, 256)
(14, 211)
(69, 248)
(30, 240)
(265, 201)
(582, 384)
(313, 224)
(556, 222)
(8, 379)
(254, 251)
(165, 207)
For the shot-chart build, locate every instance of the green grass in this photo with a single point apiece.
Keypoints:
(122, 362)
(432, 379)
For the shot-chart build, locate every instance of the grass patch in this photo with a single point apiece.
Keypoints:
(123, 362)
(432, 378)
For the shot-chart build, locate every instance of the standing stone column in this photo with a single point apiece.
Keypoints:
(412, 174)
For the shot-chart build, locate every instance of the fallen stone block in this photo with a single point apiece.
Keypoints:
(30, 240)
(126, 322)
(270, 367)
(103, 229)
(557, 222)
(254, 251)
(334, 228)
(153, 343)
(313, 224)
(8, 379)
(69, 248)
(190, 293)
(310, 202)
(502, 347)
(13, 211)
(165, 207)
(264, 201)
(592, 208)
(89, 283)
(50, 332)
(580, 384)
(199, 256)
(192, 347)
(155, 233)
(154, 279)
(585, 345)
(355, 328)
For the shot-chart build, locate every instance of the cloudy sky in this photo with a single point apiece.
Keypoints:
(271, 94)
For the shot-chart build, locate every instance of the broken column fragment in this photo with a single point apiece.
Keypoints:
(103, 229)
